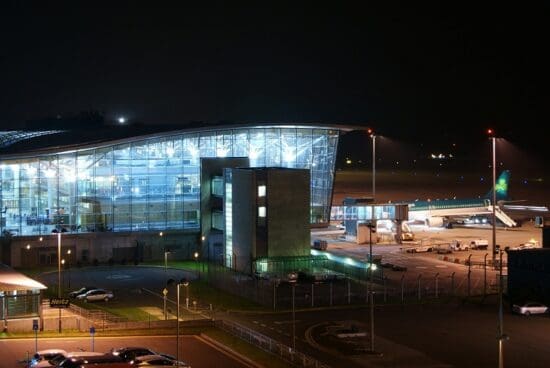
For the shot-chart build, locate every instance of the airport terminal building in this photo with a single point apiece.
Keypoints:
(135, 194)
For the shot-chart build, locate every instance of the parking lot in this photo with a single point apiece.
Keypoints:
(430, 264)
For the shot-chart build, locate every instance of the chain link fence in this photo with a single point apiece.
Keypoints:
(353, 287)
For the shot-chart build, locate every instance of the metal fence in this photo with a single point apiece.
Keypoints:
(277, 294)
(293, 357)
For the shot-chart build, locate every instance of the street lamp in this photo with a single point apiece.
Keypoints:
(185, 283)
(371, 227)
(293, 284)
(370, 131)
(491, 134)
(166, 253)
(68, 268)
(501, 335)
(59, 272)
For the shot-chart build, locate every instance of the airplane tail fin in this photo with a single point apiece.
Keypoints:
(501, 187)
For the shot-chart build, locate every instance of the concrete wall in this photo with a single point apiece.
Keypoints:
(288, 197)
(103, 246)
(244, 219)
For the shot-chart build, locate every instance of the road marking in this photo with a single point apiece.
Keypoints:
(421, 267)
(441, 266)
(262, 324)
(285, 322)
(256, 322)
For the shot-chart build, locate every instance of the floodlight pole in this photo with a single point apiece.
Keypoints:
(494, 200)
(59, 272)
(501, 335)
(371, 277)
(373, 136)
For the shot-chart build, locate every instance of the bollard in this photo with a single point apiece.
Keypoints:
(469, 273)
(330, 294)
(349, 291)
(385, 289)
(453, 284)
(436, 285)
(419, 276)
(485, 275)
(402, 289)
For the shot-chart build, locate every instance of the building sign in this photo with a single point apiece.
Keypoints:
(59, 303)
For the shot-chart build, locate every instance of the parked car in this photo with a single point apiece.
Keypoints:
(82, 290)
(97, 360)
(154, 361)
(529, 308)
(420, 248)
(57, 359)
(96, 295)
(399, 268)
(130, 353)
(527, 245)
(45, 355)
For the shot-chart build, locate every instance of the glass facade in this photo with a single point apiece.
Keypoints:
(150, 184)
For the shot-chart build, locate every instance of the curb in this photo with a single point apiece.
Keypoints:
(230, 351)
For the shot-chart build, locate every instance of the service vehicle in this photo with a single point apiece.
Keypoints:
(479, 244)
(458, 245)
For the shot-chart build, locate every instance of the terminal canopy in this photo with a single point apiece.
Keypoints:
(11, 280)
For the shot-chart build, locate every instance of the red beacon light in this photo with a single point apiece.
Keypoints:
(490, 132)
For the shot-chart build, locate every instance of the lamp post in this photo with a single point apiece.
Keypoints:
(491, 134)
(59, 272)
(69, 266)
(196, 257)
(185, 283)
(370, 131)
(293, 317)
(371, 227)
(501, 336)
(166, 253)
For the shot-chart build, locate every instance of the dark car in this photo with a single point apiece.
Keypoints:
(130, 353)
(78, 362)
(82, 290)
(399, 268)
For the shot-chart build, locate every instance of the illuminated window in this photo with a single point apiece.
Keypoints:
(261, 190)
(261, 211)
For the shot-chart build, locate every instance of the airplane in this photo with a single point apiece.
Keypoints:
(442, 212)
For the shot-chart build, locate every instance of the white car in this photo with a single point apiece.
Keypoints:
(96, 295)
(529, 308)
(45, 355)
(158, 361)
(61, 356)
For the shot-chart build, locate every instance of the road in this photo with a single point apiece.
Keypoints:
(428, 335)
(194, 350)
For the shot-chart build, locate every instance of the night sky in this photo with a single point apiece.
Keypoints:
(436, 74)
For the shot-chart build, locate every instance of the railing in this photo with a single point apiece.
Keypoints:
(294, 357)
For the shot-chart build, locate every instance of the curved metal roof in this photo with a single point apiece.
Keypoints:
(10, 137)
(34, 143)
